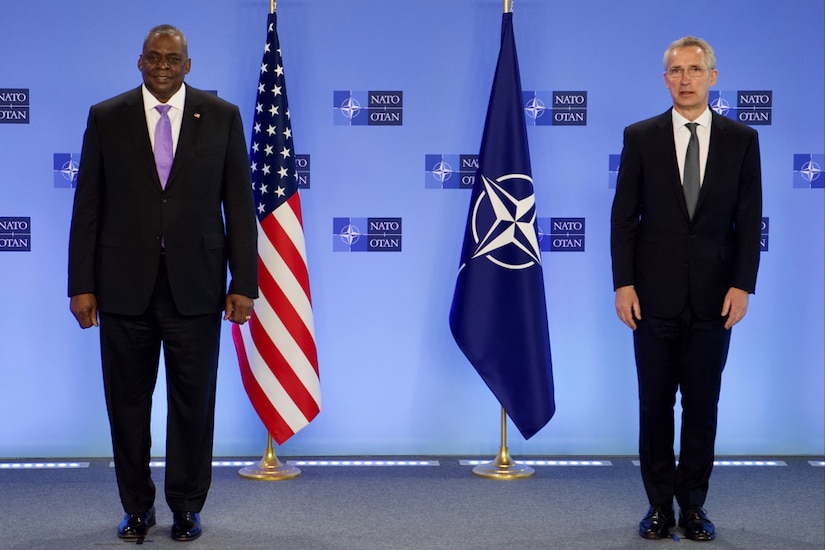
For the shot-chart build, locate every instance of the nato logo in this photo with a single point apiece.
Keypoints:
(763, 235)
(366, 234)
(751, 107)
(371, 108)
(302, 170)
(14, 105)
(613, 162)
(807, 171)
(66, 166)
(450, 171)
(561, 234)
(543, 108)
(15, 234)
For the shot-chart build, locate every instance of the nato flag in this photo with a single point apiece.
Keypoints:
(499, 313)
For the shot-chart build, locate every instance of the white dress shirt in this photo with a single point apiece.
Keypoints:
(681, 136)
(176, 103)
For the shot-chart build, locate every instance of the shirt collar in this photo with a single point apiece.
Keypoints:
(703, 119)
(176, 101)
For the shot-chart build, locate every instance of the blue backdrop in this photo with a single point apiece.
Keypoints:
(392, 378)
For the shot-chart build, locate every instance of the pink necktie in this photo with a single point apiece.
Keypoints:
(164, 154)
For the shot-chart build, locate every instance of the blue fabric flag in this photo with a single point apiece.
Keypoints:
(499, 312)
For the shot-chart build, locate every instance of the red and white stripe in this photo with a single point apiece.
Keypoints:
(276, 348)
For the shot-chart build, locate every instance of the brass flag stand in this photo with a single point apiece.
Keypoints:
(270, 468)
(503, 467)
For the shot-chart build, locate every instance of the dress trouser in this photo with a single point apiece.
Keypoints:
(130, 351)
(685, 354)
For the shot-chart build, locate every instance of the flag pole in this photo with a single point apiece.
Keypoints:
(503, 467)
(526, 388)
(269, 468)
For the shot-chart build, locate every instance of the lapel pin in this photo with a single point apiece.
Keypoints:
(197, 115)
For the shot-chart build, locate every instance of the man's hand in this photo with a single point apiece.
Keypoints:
(735, 306)
(627, 305)
(84, 309)
(238, 308)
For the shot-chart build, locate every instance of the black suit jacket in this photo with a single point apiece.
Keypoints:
(654, 244)
(205, 216)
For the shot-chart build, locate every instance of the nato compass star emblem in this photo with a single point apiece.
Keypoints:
(442, 172)
(811, 171)
(503, 222)
(350, 234)
(66, 168)
(69, 170)
(720, 105)
(350, 108)
(535, 108)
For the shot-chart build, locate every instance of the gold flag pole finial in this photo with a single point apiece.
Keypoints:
(272, 6)
(503, 467)
(508, 6)
(269, 468)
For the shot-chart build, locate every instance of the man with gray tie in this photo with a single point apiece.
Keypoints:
(685, 228)
(163, 207)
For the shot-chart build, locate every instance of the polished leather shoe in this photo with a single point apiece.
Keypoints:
(694, 520)
(186, 526)
(655, 524)
(135, 526)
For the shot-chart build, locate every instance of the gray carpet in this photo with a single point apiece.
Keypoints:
(419, 508)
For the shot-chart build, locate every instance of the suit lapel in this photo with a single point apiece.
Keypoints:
(667, 150)
(715, 161)
(190, 125)
(134, 120)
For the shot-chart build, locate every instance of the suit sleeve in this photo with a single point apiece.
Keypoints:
(239, 211)
(86, 213)
(748, 221)
(624, 216)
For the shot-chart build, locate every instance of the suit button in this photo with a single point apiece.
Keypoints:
(163, 201)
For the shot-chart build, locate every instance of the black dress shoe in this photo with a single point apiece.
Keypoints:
(655, 524)
(694, 520)
(135, 526)
(186, 526)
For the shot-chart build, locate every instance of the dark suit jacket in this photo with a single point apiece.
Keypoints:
(205, 216)
(656, 247)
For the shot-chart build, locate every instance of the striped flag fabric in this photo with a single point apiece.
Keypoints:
(276, 348)
(499, 313)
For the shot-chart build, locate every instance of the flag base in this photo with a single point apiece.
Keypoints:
(267, 471)
(503, 468)
(269, 468)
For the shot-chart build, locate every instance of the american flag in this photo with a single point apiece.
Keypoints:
(276, 348)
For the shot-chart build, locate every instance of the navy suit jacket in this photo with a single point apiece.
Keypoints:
(205, 216)
(657, 248)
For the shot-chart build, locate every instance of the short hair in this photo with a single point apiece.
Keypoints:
(167, 30)
(687, 41)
